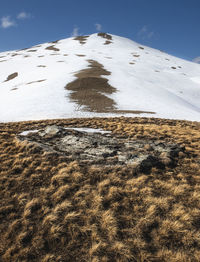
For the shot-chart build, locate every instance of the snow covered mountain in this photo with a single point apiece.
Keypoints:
(196, 60)
(96, 75)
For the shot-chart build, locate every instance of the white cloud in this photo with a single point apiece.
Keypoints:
(98, 27)
(75, 31)
(143, 30)
(7, 22)
(144, 33)
(196, 60)
(23, 15)
(150, 35)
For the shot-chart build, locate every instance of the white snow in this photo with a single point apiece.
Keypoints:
(150, 84)
(81, 129)
(89, 130)
(25, 133)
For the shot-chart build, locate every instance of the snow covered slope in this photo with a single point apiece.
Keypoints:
(33, 82)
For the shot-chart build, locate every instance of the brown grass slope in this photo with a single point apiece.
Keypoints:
(90, 90)
(57, 210)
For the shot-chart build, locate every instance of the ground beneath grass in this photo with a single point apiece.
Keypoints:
(57, 208)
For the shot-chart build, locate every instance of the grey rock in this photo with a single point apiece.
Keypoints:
(97, 148)
(50, 131)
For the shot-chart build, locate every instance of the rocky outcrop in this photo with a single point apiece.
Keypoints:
(106, 149)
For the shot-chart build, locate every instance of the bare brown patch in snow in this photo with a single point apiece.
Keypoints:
(41, 66)
(80, 55)
(107, 42)
(38, 81)
(90, 88)
(82, 39)
(13, 89)
(26, 56)
(141, 47)
(104, 35)
(131, 63)
(23, 49)
(53, 48)
(55, 42)
(3, 61)
(65, 55)
(60, 61)
(136, 55)
(134, 112)
(41, 56)
(14, 55)
(32, 51)
(173, 67)
(95, 70)
(12, 76)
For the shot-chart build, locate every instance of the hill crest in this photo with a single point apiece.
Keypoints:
(132, 79)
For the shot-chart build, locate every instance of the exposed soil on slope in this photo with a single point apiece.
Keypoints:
(53, 48)
(11, 76)
(90, 88)
(38, 81)
(105, 35)
(81, 39)
(54, 208)
(107, 42)
(55, 42)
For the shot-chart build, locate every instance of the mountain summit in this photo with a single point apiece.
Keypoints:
(96, 75)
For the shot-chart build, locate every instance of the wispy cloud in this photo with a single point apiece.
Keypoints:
(75, 31)
(98, 27)
(23, 15)
(196, 60)
(7, 22)
(145, 33)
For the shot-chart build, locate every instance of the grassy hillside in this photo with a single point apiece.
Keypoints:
(56, 209)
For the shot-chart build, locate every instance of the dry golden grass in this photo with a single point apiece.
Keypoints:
(55, 210)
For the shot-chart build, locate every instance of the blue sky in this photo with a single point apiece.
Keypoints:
(172, 26)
